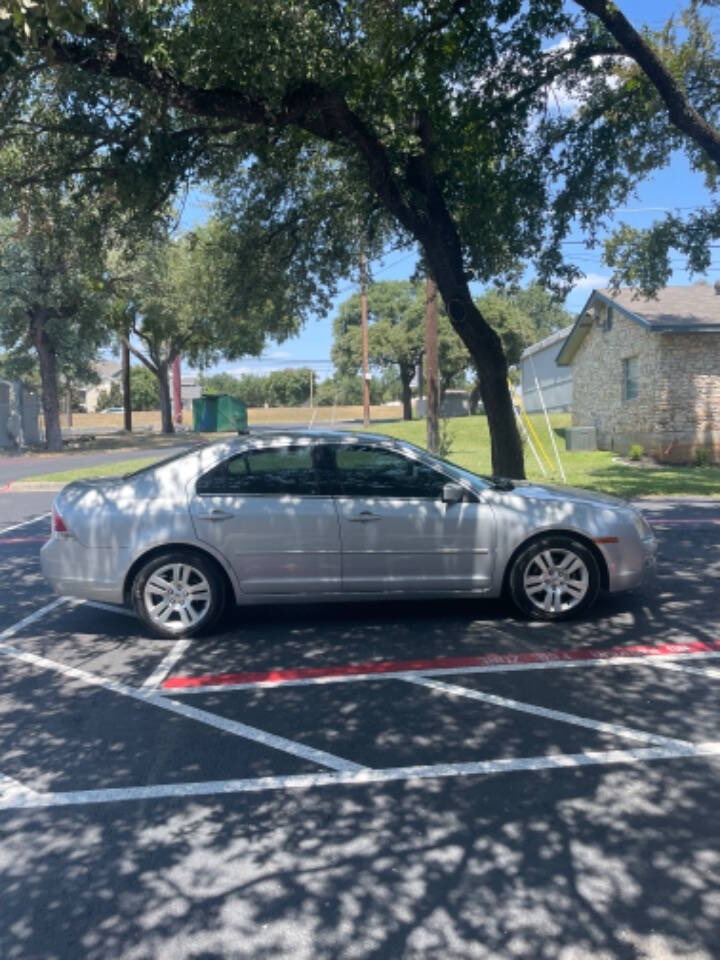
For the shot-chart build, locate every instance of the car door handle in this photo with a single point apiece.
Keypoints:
(364, 517)
(216, 515)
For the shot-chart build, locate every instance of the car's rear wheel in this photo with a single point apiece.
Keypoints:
(178, 593)
(554, 578)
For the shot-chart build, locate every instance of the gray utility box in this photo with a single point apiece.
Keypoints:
(581, 438)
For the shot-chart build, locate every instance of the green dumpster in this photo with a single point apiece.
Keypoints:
(219, 413)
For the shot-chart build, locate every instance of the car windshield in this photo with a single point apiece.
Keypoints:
(161, 463)
(452, 468)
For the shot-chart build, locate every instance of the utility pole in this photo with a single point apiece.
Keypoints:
(364, 321)
(177, 390)
(127, 398)
(432, 391)
(312, 374)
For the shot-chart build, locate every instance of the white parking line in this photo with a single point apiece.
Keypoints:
(25, 523)
(707, 672)
(304, 781)
(438, 672)
(166, 664)
(191, 713)
(11, 789)
(33, 618)
(614, 728)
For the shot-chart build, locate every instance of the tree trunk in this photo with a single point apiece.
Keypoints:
(127, 396)
(406, 375)
(488, 357)
(165, 403)
(431, 367)
(48, 378)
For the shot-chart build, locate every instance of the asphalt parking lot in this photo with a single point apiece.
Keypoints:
(409, 780)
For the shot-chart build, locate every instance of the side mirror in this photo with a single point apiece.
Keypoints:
(453, 493)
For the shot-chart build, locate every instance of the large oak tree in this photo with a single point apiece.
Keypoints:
(438, 113)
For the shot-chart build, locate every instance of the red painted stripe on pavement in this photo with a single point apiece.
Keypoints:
(37, 538)
(406, 666)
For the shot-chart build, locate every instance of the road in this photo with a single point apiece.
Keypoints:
(552, 798)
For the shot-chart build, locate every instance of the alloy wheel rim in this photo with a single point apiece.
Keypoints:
(556, 580)
(177, 596)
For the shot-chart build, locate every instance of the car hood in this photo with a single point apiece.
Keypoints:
(549, 491)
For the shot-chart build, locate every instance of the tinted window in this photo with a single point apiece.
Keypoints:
(282, 470)
(376, 472)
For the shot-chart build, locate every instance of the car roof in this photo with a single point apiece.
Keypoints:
(293, 436)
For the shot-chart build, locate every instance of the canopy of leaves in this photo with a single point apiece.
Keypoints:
(325, 94)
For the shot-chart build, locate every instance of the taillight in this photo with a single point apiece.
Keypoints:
(58, 524)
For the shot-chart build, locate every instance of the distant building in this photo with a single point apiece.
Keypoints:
(108, 371)
(454, 403)
(190, 389)
(539, 362)
(648, 371)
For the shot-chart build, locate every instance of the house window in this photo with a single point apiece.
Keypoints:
(631, 382)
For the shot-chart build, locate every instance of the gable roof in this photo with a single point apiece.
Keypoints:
(548, 341)
(694, 308)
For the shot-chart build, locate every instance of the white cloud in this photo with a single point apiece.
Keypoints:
(590, 281)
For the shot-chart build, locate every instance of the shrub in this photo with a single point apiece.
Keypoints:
(636, 451)
(701, 457)
(445, 438)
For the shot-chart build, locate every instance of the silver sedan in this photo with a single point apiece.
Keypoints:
(324, 515)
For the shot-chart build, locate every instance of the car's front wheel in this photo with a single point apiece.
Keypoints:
(178, 593)
(554, 578)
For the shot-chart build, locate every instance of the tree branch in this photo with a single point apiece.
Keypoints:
(682, 114)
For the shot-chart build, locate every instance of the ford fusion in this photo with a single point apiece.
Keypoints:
(317, 516)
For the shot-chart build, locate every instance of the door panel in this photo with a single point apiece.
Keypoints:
(415, 545)
(397, 534)
(263, 511)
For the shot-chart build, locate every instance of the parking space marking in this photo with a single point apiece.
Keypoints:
(443, 666)
(321, 757)
(33, 538)
(613, 728)
(25, 523)
(166, 664)
(670, 665)
(364, 777)
(10, 788)
(33, 617)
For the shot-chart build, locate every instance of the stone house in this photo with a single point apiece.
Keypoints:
(647, 371)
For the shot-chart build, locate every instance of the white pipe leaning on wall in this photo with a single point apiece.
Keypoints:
(547, 422)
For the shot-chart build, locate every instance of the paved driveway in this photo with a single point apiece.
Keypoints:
(409, 780)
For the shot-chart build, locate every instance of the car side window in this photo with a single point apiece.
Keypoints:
(377, 472)
(276, 471)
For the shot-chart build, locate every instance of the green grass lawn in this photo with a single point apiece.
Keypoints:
(470, 447)
(115, 469)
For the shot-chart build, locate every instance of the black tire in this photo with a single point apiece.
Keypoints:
(526, 575)
(208, 606)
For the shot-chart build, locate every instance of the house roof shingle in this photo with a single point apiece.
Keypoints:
(678, 307)
(694, 308)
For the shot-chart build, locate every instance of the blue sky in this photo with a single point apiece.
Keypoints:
(670, 189)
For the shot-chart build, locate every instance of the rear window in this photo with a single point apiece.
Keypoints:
(166, 460)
